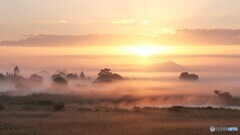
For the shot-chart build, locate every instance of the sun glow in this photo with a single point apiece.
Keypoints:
(143, 51)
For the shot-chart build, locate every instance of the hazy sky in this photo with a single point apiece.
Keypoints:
(59, 28)
(71, 17)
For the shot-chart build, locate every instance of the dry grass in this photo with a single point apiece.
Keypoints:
(32, 118)
(161, 122)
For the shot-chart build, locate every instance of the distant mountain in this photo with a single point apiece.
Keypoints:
(168, 66)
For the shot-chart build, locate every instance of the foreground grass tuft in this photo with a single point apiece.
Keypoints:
(58, 106)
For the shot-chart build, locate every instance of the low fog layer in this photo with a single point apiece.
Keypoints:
(136, 89)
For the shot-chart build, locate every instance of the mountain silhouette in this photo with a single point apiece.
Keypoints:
(168, 66)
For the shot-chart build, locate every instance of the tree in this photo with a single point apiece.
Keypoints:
(61, 72)
(217, 92)
(105, 75)
(55, 75)
(105, 72)
(225, 96)
(2, 77)
(72, 76)
(82, 75)
(59, 80)
(35, 78)
(17, 78)
(16, 71)
(187, 76)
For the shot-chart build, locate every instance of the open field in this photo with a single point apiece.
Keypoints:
(35, 116)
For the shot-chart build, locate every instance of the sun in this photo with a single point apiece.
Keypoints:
(146, 50)
(143, 51)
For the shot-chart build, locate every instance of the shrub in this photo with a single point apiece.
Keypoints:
(176, 109)
(1, 107)
(45, 103)
(58, 106)
(209, 108)
(136, 109)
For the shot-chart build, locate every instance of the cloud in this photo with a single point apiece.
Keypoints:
(70, 40)
(172, 56)
(63, 21)
(78, 40)
(145, 22)
(123, 21)
(164, 36)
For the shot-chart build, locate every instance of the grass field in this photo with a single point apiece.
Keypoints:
(34, 116)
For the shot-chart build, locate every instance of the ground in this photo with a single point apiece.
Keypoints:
(40, 118)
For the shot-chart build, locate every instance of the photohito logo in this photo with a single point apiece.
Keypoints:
(223, 129)
(212, 129)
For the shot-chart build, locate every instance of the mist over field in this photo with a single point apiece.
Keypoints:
(140, 88)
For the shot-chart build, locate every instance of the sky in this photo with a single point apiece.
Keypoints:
(139, 28)
(63, 17)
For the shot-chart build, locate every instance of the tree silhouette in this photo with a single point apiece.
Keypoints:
(2, 77)
(187, 76)
(82, 75)
(59, 80)
(16, 71)
(72, 76)
(105, 72)
(224, 96)
(105, 75)
(35, 78)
